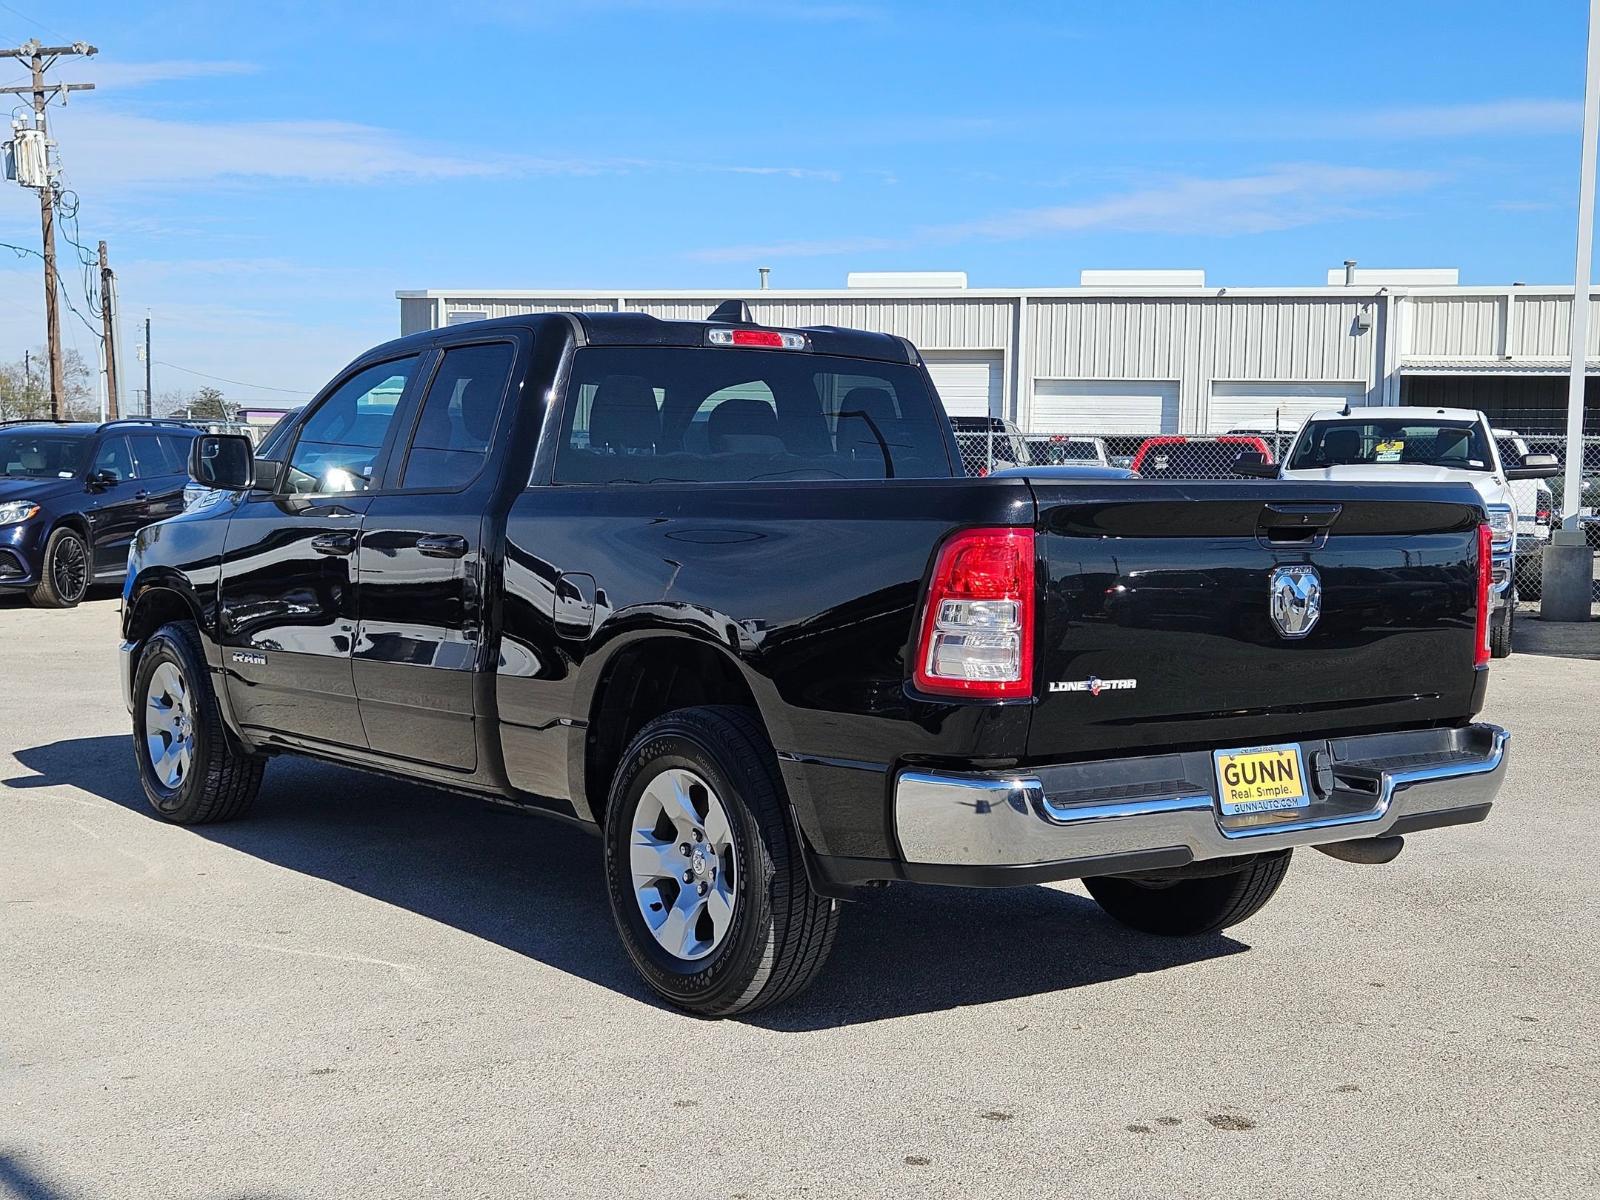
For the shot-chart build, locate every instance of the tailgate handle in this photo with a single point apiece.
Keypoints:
(1296, 524)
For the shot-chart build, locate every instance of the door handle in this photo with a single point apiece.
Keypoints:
(141, 495)
(334, 543)
(442, 545)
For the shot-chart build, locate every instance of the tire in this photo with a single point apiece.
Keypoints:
(1190, 907)
(1529, 574)
(63, 571)
(174, 704)
(735, 946)
(1500, 629)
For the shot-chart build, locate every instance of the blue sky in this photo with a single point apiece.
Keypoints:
(268, 175)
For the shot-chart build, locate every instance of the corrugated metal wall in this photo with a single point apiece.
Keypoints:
(1477, 326)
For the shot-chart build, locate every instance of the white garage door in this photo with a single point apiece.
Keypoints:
(1282, 406)
(968, 384)
(1105, 406)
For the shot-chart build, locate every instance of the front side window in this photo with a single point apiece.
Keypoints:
(1453, 444)
(682, 414)
(114, 459)
(153, 455)
(458, 416)
(339, 443)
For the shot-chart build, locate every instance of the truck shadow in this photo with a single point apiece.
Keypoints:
(536, 887)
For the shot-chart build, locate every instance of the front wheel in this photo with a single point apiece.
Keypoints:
(64, 576)
(191, 773)
(1188, 907)
(707, 884)
(1500, 628)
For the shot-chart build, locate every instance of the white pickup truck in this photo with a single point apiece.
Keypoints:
(1433, 445)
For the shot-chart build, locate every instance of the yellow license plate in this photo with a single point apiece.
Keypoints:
(1260, 779)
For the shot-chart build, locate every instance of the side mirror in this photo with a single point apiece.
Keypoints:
(223, 460)
(1536, 466)
(100, 480)
(1254, 464)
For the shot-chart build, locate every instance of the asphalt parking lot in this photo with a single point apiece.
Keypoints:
(368, 989)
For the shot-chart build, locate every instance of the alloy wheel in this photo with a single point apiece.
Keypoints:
(69, 569)
(683, 863)
(169, 734)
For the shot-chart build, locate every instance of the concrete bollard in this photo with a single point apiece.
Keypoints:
(1568, 577)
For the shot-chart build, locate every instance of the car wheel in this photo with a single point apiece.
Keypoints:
(190, 770)
(707, 884)
(1500, 630)
(64, 576)
(1187, 907)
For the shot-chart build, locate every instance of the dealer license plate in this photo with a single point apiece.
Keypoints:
(1260, 779)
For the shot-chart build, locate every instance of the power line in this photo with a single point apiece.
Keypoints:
(259, 387)
(30, 20)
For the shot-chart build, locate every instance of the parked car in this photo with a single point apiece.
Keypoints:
(808, 654)
(1060, 449)
(1436, 445)
(1533, 501)
(1181, 457)
(73, 494)
(989, 444)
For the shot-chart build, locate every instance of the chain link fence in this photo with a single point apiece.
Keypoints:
(988, 445)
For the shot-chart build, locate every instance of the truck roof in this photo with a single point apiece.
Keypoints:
(1380, 412)
(641, 329)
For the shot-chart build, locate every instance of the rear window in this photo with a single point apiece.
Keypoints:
(688, 415)
(1456, 444)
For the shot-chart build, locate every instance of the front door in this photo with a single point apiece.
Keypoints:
(420, 567)
(120, 506)
(288, 601)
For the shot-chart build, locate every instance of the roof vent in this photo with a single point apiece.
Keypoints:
(732, 312)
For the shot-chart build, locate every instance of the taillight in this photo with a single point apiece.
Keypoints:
(977, 625)
(1485, 579)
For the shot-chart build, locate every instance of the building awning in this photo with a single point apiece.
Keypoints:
(1492, 365)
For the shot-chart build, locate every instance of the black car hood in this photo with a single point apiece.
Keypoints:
(13, 488)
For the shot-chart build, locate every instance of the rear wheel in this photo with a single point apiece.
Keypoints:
(191, 773)
(1500, 628)
(707, 884)
(1187, 907)
(64, 577)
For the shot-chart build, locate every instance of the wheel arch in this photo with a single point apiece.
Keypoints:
(641, 678)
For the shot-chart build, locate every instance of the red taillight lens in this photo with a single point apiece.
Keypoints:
(977, 624)
(757, 337)
(1485, 581)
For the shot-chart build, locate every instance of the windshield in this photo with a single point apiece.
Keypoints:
(1455, 444)
(41, 455)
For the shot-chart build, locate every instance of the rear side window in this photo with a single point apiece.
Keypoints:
(458, 416)
(339, 443)
(688, 415)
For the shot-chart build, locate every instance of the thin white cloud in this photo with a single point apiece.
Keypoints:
(109, 74)
(109, 147)
(1285, 197)
(1488, 118)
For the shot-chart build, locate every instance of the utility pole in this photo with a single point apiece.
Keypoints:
(149, 396)
(109, 324)
(46, 184)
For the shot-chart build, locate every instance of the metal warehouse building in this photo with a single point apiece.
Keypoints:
(1144, 352)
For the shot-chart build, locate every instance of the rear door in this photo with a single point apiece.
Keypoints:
(288, 619)
(1157, 629)
(420, 566)
(162, 462)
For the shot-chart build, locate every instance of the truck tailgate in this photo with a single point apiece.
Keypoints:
(1156, 630)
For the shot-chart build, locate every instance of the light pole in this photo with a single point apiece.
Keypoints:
(1568, 566)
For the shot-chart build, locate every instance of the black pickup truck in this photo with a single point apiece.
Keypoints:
(723, 594)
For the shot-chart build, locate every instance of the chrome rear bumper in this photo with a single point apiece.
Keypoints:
(1362, 787)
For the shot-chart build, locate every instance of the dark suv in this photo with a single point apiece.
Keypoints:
(73, 494)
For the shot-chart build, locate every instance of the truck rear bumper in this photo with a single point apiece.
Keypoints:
(1143, 813)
